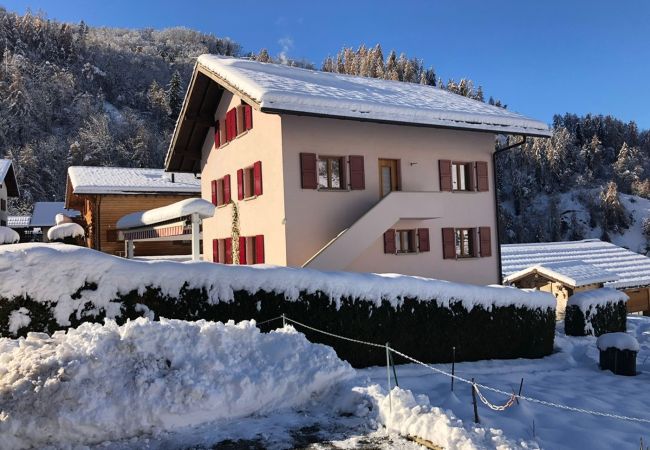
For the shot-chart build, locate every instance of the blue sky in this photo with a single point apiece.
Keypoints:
(541, 58)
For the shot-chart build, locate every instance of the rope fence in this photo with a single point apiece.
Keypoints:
(512, 397)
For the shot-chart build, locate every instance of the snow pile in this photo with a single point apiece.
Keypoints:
(596, 297)
(8, 236)
(413, 416)
(53, 272)
(281, 87)
(176, 210)
(621, 341)
(60, 219)
(65, 230)
(101, 382)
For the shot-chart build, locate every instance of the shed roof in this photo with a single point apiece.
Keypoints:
(632, 269)
(572, 273)
(8, 176)
(277, 88)
(45, 212)
(124, 180)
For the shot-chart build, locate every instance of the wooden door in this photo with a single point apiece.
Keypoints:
(388, 176)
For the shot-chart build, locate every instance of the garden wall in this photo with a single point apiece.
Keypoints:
(50, 287)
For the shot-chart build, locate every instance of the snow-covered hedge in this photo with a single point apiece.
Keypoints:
(8, 236)
(62, 286)
(108, 382)
(596, 312)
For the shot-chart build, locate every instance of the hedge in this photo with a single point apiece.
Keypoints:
(596, 312)
(423, 329)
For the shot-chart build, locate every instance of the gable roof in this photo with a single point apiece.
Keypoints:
(572, 273)
(632, 269)
(276, 88)
(123, 180)
(8, 176)
(45, 212)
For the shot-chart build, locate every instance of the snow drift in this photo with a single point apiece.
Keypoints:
(107, 382)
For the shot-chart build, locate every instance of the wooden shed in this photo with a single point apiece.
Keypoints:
(105, 194)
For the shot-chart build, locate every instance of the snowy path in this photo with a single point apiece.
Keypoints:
(570, 376)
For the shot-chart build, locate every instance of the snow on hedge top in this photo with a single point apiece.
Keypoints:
(52, 272)
(109, 382)
(621, 341)
(65, 230)
(8, 236)
(572, 273)
(123, 180)
(44, 214)
(286, 88)
(632, 269)
(596, 297)
(176, 210)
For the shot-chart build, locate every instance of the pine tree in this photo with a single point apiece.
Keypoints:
(615, 216)
(628, 167)
(174, 95)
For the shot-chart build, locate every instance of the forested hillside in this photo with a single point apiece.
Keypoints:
(73, 94)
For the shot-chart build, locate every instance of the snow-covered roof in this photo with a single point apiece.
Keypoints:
(170, 212)
(18, 221)
(44, 214)
(573, 273)
(632, 269)
(8, 177)
(291, 89)
(124, 180)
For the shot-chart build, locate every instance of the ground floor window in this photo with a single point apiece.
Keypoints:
(405, 241)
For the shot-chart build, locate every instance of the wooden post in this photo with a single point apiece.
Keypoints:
(390, 400)
(476, 419)
(521, 385)
(453, 367)
(196, 226)
(392, 363)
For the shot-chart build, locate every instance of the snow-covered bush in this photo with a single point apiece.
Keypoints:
(8, 236)
(63, 286)
(596, 312)
(66, 232)
(108, 382)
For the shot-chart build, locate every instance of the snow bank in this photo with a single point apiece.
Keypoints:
(596, 297)
(176, 210)
(8, 236)
(414, 416)
(621, 341)
(101, 382)
(65, 230)
(52, 272)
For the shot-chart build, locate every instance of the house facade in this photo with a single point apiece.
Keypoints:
(8, 188)
(104, 195)
(333, 172)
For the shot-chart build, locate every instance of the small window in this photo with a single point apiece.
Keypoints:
(460, 176)
(465, 244)
(330, 172)
(249, 182)
(251, 256)
(405, 241)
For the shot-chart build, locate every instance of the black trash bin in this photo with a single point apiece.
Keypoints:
(618, 353)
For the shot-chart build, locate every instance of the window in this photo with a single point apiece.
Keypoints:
(465, 242)
(251, 250)
(221, 191)
(461, 176)
(330, 172)
(405, 241)
(249, 182)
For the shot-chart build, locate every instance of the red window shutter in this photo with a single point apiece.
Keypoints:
(217, 138)
(444, 167)
(482, 176)
(242, 250)
(214, 192)
(226, 189)
(233, 123)
(257, 177)
(486, 241)
(423, 239)
(248, 117)
(471, 177)
(215, 250)
(228, 250)
(309, 179)
(240, 119)
(473, 241)
(357, 175)
(259, 249)
(448, 243)
(389, 242)
(227, 120)
(240, 184)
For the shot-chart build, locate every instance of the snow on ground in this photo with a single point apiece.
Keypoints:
(101, 382)
(352, 413)
(52, 272)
